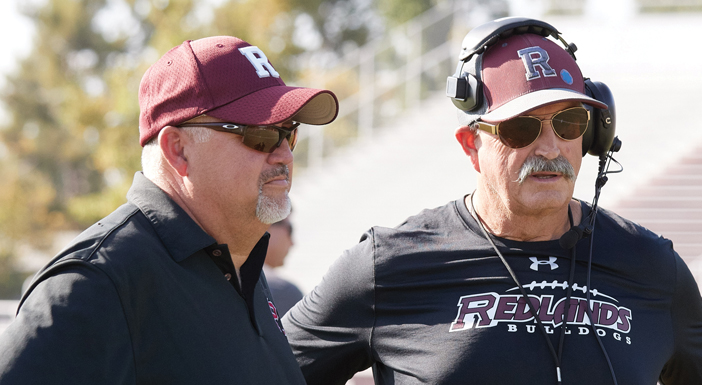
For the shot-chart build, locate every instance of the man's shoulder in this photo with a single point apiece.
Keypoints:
(122, 235)
(429, 229)
(624, 227)
(101, 249)
(432, 218)
(123, 228)
(628, 239)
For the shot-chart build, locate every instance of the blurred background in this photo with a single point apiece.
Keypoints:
(70, 71)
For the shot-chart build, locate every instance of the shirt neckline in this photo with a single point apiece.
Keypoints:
(552, 247)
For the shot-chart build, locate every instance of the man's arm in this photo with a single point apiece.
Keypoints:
(330, 330)
(685, 366)
(70, 330)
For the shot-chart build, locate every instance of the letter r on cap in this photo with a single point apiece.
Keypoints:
(535, 56)
(260, 62)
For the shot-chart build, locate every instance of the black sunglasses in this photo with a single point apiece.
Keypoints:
(521, 131)
(260, 138)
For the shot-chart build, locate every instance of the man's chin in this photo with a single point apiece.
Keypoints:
(273, 209)
(547, 198)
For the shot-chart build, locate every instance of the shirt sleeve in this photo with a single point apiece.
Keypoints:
(330, 330)
(69, 330)
(685, 365)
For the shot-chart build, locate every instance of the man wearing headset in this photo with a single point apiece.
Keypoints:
(441, 299)
(168, 289)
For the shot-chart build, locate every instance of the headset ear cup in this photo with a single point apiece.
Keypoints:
(602, 126)
(465, 91)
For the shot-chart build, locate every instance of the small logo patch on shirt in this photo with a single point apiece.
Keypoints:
(536, 262)
(276, 317)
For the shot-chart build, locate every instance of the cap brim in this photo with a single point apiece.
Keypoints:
(274, 105)
(537, 99)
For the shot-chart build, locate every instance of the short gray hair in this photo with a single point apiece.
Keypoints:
(198, 134)
(152, 159)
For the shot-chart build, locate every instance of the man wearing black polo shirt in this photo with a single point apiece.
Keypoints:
(168, 288)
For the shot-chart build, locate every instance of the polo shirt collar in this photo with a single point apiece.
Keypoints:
(180, 234)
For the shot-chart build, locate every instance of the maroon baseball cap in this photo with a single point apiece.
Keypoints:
(527, 71)
(226, 78)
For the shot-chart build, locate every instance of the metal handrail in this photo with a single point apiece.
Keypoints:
(410, 79)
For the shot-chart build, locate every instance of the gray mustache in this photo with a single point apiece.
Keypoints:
(535, 164)
(267, 175)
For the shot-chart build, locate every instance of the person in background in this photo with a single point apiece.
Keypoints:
(285, 293)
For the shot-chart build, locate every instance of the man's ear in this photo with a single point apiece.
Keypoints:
(172, 142)
(468, 138)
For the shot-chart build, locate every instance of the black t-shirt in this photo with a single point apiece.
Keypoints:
(430, 302)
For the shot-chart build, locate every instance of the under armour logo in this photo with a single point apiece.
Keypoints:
(536, 262)
(533, 57)
(260, 62)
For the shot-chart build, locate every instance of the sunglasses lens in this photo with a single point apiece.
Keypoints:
(520, 131)
(570, 124)
(292, 139)
(264, 139)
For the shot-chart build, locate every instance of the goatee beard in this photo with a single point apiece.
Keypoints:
(268, 209)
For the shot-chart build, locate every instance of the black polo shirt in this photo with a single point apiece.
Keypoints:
(145, 296)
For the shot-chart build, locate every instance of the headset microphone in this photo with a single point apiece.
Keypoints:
(572, 236)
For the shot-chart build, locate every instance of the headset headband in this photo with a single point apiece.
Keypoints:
(483, 36)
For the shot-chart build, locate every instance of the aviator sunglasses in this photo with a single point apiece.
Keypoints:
(260, 138)
(521, 131)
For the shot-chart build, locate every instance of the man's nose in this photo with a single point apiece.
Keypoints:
(547, 142)
(282, 155)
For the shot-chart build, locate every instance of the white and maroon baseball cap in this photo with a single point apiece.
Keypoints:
(226, 78)
(524, 72)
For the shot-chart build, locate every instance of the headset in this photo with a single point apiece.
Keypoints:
(465, 88)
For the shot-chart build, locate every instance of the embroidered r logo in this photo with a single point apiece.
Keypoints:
(533, 57)
(259, 60)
